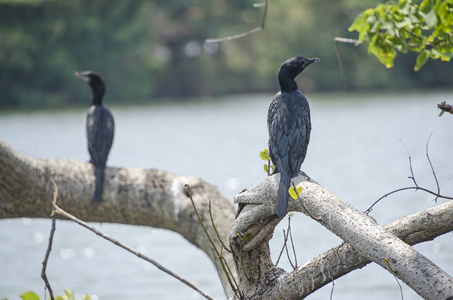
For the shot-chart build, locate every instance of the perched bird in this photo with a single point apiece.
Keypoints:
(289, 126)
(100, 128)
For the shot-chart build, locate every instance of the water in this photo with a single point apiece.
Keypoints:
(359, 150)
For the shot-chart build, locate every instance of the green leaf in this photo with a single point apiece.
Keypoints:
(421, 59)
(69, 294)
(427, 11)
(404, 6)
(292, 192)
(265, 155)
(29, 296)
(248, 237)
(266, 169)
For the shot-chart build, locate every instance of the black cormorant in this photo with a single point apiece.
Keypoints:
(100, 128)
(289, 126)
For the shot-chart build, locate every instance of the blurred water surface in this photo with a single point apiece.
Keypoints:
(359, 150)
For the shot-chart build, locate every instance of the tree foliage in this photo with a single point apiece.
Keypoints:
(404, 26)
(150, 49)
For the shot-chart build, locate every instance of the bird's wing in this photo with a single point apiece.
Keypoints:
(100, 131)
(279, 130)
(299, 136)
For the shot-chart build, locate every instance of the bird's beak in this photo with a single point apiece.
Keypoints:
(312, 60)
(80, 75)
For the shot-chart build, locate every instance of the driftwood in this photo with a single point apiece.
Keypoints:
(160, 199)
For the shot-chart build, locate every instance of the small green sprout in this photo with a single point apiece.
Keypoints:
(264, 155)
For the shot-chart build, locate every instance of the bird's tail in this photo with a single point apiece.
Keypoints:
(99, 176)
(283, 195)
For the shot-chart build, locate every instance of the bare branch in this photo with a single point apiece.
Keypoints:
(59, 211)
(432, 168)
(49, 245)
(338, 40)
(241, 35)
(372, 242)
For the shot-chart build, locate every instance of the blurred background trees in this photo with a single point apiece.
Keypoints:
(151, 50)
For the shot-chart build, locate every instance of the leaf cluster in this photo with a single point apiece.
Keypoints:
(68, 295)
(407, 27)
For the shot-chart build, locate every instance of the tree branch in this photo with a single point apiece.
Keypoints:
(156, 198)
(131, 196)
(371, 241)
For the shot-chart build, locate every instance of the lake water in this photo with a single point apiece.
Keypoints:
(359, 150)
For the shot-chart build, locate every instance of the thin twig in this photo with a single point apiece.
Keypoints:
(432, 168)
(340, 63)
(283, 249)
(401, 288)
(338, 40)
(404, 189)
(59, 211)
(301, 203)
(49, 245)
(286, 250)
(331, 291)
(292, 242)
(215, 229)
(410, 164)
(241, 35)
(226, 269)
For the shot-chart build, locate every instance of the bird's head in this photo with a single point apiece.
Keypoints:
(290, 69)
(95, 82)
(294, 66)
(90, 77)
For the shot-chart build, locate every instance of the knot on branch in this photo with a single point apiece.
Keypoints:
(264, 194)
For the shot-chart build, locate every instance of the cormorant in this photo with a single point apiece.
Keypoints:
(289, 126)
(99, 130)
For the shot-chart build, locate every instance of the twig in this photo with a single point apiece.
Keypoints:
(331, 291)
(292, 243)
(337, 51)
(283, 248)
(401, 288)
(49, 245)
(286, 248)
(416, 187)
(301, 203)
(59, 211)
(215, 229)
(432, 168)
(241, 35)
(404, 189)
(225, 267)
(410, 165)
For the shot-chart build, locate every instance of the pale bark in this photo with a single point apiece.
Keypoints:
(159, 199)
(367, 242)
(131, 196)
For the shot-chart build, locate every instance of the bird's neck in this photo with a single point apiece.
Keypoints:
(96, 96)
(287, 82)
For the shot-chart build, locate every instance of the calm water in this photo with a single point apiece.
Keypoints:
(356, 151)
